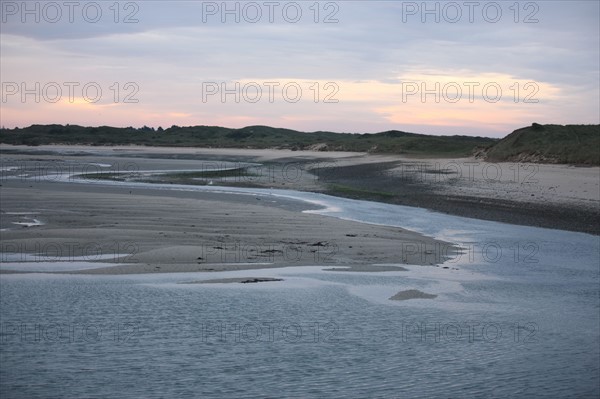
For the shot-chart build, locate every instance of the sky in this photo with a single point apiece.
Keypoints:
(437, 67)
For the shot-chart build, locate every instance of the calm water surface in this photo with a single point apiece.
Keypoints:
(519, 318)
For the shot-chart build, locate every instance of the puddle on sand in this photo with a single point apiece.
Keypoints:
(23, 219)
(54, 266)
(23, 262)
(33, 223)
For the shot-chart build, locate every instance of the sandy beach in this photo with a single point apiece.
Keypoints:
(150, 230)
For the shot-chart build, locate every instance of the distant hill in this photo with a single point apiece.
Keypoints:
(249, 137)
(570, 144)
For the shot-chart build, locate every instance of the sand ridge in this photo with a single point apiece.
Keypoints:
(167, 232)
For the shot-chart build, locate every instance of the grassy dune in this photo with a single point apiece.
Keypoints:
(570, 144)
(249, 137)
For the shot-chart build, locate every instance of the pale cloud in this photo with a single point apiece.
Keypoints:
(171, 53)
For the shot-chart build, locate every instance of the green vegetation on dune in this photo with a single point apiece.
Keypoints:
(570, 144)
(249, 137)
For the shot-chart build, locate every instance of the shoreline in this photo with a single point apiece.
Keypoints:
(540, 195)
(179, 230)
(164, 231)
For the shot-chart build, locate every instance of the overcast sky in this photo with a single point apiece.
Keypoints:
(475, 68)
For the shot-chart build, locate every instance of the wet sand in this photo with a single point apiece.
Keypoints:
(553, 196)
(150, 230)
(158, 231)
(412, 294)
(236, 280)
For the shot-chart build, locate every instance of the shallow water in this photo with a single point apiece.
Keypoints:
(519, 318)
